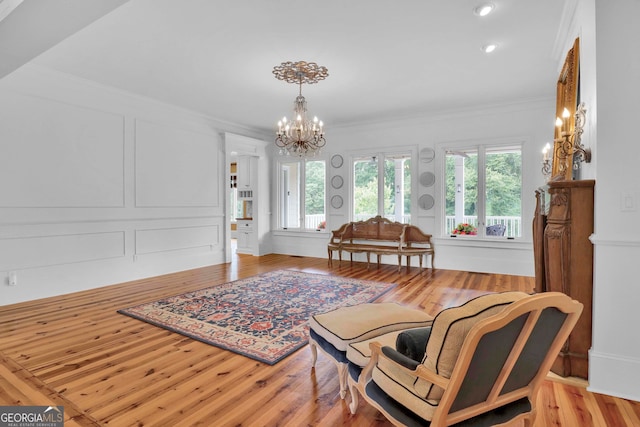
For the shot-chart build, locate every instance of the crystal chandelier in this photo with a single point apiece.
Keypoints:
(300, 136)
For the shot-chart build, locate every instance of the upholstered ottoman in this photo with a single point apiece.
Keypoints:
(333, 331)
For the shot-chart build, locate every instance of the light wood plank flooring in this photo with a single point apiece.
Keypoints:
(110, 369)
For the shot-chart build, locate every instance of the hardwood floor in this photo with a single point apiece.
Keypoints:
(109, 369)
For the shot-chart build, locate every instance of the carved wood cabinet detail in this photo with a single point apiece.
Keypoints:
(564, 262)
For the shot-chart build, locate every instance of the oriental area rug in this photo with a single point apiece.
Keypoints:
(263, 317)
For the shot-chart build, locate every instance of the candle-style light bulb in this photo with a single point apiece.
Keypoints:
(565, 113)
(545, 152)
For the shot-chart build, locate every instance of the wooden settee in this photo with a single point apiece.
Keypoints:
(381, 236)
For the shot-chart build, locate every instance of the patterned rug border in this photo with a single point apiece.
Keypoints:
(287, 350)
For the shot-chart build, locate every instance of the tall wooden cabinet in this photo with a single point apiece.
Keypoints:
(567, 252)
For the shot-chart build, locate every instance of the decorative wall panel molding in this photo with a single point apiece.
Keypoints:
(175, 167)
(178, 238)
(59, 155)
(40, 251)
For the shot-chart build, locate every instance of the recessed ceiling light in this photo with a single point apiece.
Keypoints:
(488, 48)
(484, 9)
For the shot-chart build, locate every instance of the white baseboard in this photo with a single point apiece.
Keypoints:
(614, 375)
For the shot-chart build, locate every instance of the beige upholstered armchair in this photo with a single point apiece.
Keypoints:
(479, 364)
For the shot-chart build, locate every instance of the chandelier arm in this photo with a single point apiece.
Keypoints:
(280, 143)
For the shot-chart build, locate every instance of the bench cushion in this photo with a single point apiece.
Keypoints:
(345, 325)
(366, 247)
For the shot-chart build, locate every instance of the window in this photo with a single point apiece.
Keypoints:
(302, 195)
(484, 190)
(382, 186)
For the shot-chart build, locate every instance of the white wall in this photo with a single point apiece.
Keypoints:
(608, 30)
(99, 187)
(528, 122)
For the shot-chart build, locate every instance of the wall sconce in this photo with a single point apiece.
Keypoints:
(569, 144)
(546, 161)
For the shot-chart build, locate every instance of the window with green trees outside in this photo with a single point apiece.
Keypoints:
(382, 186)
(483, 194)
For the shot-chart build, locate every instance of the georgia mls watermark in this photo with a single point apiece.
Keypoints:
(31, 416)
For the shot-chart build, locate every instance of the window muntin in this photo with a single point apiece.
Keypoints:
(484, 188)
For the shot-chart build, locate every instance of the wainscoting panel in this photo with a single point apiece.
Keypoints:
(40, 251)
(182, 238)
(59, 155)
(175, 167)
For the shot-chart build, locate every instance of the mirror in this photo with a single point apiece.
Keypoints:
(566, 97)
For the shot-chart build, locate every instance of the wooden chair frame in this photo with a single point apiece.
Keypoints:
(533, 305)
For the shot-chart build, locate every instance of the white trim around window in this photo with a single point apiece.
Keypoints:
(482, 148)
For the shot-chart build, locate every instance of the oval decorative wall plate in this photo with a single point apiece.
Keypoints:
(336, 161)
(427, 154)
(337, 181)
(427, 179)
(426, 202)
(336, 202)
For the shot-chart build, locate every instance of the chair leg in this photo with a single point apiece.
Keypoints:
(314, 353)
(343, 371)
(353, 390)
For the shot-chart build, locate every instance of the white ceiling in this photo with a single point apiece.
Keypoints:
(385, 58)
